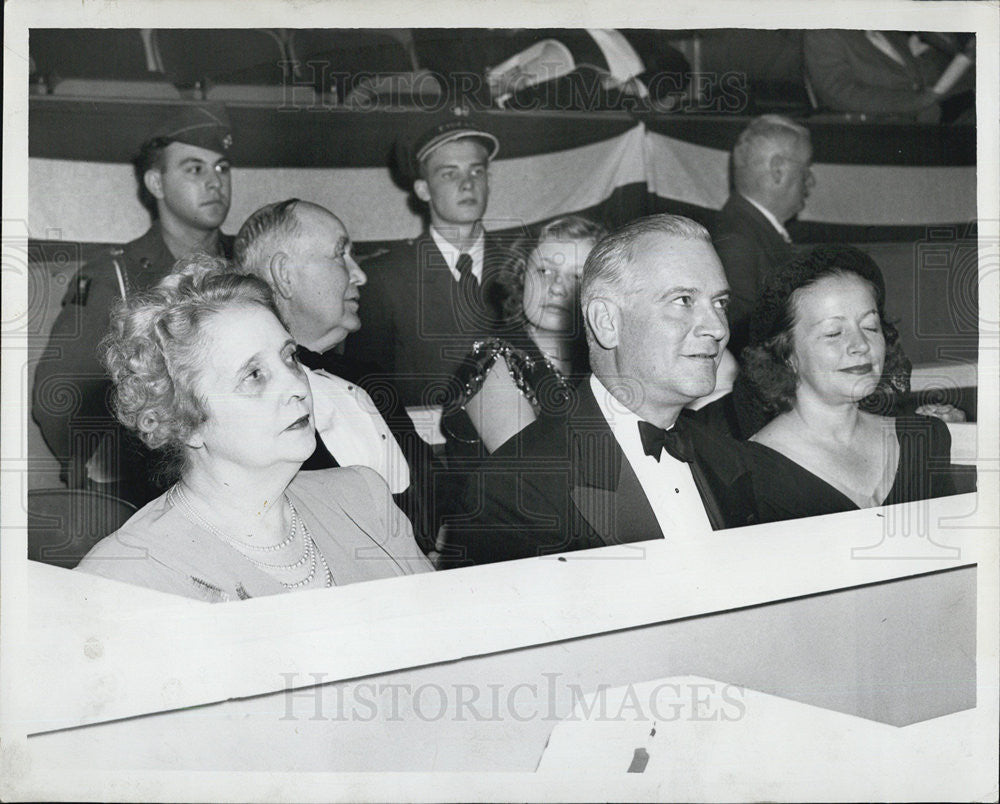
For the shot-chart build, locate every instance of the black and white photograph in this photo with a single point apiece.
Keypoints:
(500, 408)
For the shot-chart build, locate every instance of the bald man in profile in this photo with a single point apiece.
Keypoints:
(771, 177)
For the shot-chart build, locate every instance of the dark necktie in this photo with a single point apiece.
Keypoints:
(468, 289)
(464, 268)
(676, 441)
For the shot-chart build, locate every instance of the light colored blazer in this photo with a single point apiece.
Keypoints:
(349, 512)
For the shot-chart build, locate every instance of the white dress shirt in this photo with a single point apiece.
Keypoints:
(778, 225)
(451, 254)
(354, 431)
(667, 483)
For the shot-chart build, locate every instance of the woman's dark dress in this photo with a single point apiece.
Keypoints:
(785, 490)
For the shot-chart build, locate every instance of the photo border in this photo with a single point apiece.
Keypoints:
(16, 624)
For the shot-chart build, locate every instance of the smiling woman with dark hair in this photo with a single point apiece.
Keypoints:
(826, 371)
(205, 371)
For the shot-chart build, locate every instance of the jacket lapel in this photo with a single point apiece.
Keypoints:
(722, 479)
(437, 315)
(901, 44)
(609, 497)
(214, 568)
(603, 487)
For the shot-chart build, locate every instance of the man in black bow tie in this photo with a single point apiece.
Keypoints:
(626, 464)
(303, 252)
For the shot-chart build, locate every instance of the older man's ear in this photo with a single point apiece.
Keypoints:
(604, 318)
(280, 273)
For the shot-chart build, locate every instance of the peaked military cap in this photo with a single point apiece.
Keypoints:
(443, 127)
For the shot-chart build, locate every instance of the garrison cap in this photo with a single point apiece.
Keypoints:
(444, 127)
(206, 126)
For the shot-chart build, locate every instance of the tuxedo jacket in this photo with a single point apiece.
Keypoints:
(416, 324)
(564, 484)
(750, 248)
(849, 74)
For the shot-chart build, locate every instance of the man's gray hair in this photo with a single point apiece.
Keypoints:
(762, 138)
(266, 232)
(607, 269)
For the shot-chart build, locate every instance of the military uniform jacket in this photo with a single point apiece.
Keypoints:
(416, 323)
(71, 389)
(750, 248)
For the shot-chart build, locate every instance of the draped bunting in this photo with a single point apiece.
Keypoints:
(549, 165)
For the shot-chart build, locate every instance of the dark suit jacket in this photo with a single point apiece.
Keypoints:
(417, 500)
(750, 248)
(849, 74)
(415, 324)
(564, 484)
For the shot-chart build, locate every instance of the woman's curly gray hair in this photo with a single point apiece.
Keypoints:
(155, 348)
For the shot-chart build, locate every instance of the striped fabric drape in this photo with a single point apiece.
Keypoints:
(873, 182)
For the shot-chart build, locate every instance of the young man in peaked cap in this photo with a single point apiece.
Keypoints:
(183, 172)
(432, 297)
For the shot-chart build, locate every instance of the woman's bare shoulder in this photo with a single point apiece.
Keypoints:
(778, 432)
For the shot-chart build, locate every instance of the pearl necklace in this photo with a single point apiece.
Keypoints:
(310, 548)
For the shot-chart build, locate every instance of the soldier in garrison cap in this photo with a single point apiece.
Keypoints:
(183, 175)
(433, 296)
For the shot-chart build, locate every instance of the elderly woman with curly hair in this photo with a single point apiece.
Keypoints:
(527, 370)
(826, 371)
(205, 371)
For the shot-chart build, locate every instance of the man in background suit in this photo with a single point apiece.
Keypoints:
(873, 73)
(625, 465)
(771, 177)
(433, 297)
(303, 252)
(184, 181)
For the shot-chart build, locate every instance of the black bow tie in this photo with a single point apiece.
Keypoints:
(309, 359)
(676, 441)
